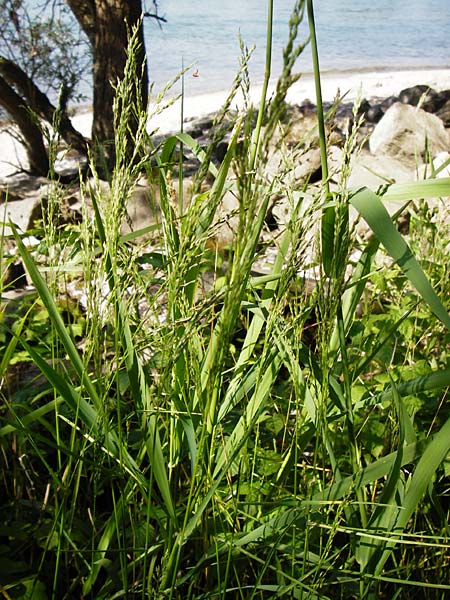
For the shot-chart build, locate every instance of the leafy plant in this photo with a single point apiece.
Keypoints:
(257, 439)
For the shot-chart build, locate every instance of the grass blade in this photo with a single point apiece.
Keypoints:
(371, 208)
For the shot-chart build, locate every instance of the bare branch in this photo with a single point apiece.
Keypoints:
(155, 16)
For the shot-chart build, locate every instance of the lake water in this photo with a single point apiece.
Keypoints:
(354, 35)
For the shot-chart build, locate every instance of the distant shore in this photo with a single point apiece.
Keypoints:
(371, 84)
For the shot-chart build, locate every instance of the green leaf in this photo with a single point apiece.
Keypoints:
(430, 188)
(370, 206)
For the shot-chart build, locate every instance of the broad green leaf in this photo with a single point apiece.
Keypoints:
(371, 208)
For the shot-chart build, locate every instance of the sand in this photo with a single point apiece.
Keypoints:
(371, 84)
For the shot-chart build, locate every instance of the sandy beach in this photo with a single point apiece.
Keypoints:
(371, 84)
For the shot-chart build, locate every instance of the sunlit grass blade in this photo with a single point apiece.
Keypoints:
(56, 319)
(431, 382)
(430, 188)
(371, 208)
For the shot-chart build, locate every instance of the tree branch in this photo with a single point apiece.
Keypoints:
(155, 16)
(32, 135)
(85, 13)
(40, 104)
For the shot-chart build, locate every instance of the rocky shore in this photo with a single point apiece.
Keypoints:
(402, 138)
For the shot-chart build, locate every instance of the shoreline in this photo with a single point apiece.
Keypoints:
(374, 85)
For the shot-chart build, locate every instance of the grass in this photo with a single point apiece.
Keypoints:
(254, 440)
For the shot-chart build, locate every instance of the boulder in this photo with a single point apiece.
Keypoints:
(23, 213)
(441, 99)
(374, 113)
(388, 102)
(372, 171)
(302, 131)
(405, 132)
(142, 209)
(421, 95)
(439, 162)
(444, 113)
(199, 127)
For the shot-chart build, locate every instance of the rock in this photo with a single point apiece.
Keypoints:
(220, 151)
(22, 213)
(142, 209)
(301, 129)
(372, 171)
(388, 102)
(440, 100)
(306, 106)
(425, 171)
(374, 113)
(310, 164)
(419, 93)
(226, 220)
(405, 131)
(6, 195)
(444, 113)
(14, 277)
(364, 107)
(308, 169)
(199, 127)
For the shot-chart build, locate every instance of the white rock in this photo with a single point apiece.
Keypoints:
(424, 170)
(405, 131)
(372, 171)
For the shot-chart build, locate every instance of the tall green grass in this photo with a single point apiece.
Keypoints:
(255, 440)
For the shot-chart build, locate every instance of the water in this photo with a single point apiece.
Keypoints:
(352, 35)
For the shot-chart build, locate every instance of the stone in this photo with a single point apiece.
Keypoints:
(307, 106)
(199, 127)
(405, 132)
(444, 113)
(372, 171)
(14, 277)
(301, 129)
(422, 94)
(142, 210)
(226, 221)
(308, 168)
(22, 213)
(374, 113)
(443, 158)
(440, 100)
(388, 102)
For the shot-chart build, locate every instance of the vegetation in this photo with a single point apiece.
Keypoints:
(254, 439)
(42, 51)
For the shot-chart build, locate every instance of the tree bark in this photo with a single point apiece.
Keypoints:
(84, 12)
(32, 135)
(106, 23)
(40, 104)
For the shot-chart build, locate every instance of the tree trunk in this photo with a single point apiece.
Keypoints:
(40, 104)
(106, 23)
(32, 135)
(84, 11)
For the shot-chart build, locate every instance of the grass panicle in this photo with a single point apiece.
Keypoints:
(197, 427)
